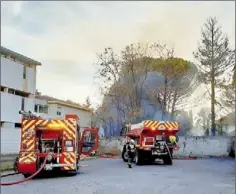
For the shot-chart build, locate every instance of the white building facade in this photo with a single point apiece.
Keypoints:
(18, 86)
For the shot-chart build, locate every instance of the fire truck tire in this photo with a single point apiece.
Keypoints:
(72, 172)
(171, 152)
(167, 160)
(15, 164)
(75, 172)
(124, 155)
(27, 175)
(138, 158)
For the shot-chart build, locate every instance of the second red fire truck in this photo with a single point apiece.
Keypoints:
(154, 140)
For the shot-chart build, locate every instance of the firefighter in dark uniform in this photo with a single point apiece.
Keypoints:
(131, 148)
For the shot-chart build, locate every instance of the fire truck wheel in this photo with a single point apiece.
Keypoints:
(167, 160)
(15, 164)
(124, 155)
(171, 153)
(137, 158)
(72, 172)
(27, 175)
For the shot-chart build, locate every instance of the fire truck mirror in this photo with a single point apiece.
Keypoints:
(123, 130)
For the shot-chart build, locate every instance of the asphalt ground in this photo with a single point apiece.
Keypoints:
(111, 176)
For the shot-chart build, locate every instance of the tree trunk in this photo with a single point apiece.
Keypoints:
(213, 125)
(164, 98)
(235, 107)
(165, 92)
(173, 105)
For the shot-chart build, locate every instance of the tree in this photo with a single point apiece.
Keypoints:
(88, 102)
(228, 90)
(177, 75)
(101, 115)
(136, 60)
(108, 69)
(123, 76)
(213, 54)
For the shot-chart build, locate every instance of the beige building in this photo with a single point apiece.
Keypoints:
(50, 107)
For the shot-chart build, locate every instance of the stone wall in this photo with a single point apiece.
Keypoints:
(189, 146)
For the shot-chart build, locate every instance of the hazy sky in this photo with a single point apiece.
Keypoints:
(65, 36)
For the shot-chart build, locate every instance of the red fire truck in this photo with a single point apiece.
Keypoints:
(153, 141)
(53, 144)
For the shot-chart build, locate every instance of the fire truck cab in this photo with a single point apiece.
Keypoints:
(153, 141)
(58, 141)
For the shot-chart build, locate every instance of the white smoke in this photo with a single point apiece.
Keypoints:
(101, 132)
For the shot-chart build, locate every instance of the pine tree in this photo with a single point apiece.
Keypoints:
(214, 57)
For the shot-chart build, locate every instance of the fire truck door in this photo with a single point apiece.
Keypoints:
(89, 141)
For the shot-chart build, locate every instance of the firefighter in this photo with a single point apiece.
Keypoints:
(173, 139)
(131, 148)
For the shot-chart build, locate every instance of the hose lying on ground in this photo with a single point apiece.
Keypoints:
(26, 179)
(5, 175)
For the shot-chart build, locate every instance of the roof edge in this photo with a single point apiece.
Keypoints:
(20, 56)
(69, 105)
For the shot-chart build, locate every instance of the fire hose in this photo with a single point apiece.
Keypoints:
(26, 179)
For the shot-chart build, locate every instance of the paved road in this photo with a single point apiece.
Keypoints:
(107, 176)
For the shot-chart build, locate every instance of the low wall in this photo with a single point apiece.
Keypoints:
(194, 146)
(10, 140)
(189, 146)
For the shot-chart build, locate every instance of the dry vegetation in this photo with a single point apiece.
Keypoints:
(108, 151)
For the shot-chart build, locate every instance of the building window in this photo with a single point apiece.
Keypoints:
(11, 91)
(22, 104)
(42, 109)
(17, 125)
(2, 124)
(12, 58)
(35, 108)
(2, 89)
(58, 111)
(24, 72)
(45, 109)
(22, 94)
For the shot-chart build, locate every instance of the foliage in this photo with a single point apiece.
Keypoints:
(215, 57)
(228, 90)
(124, 77)
(88, 102)
(176, 72)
